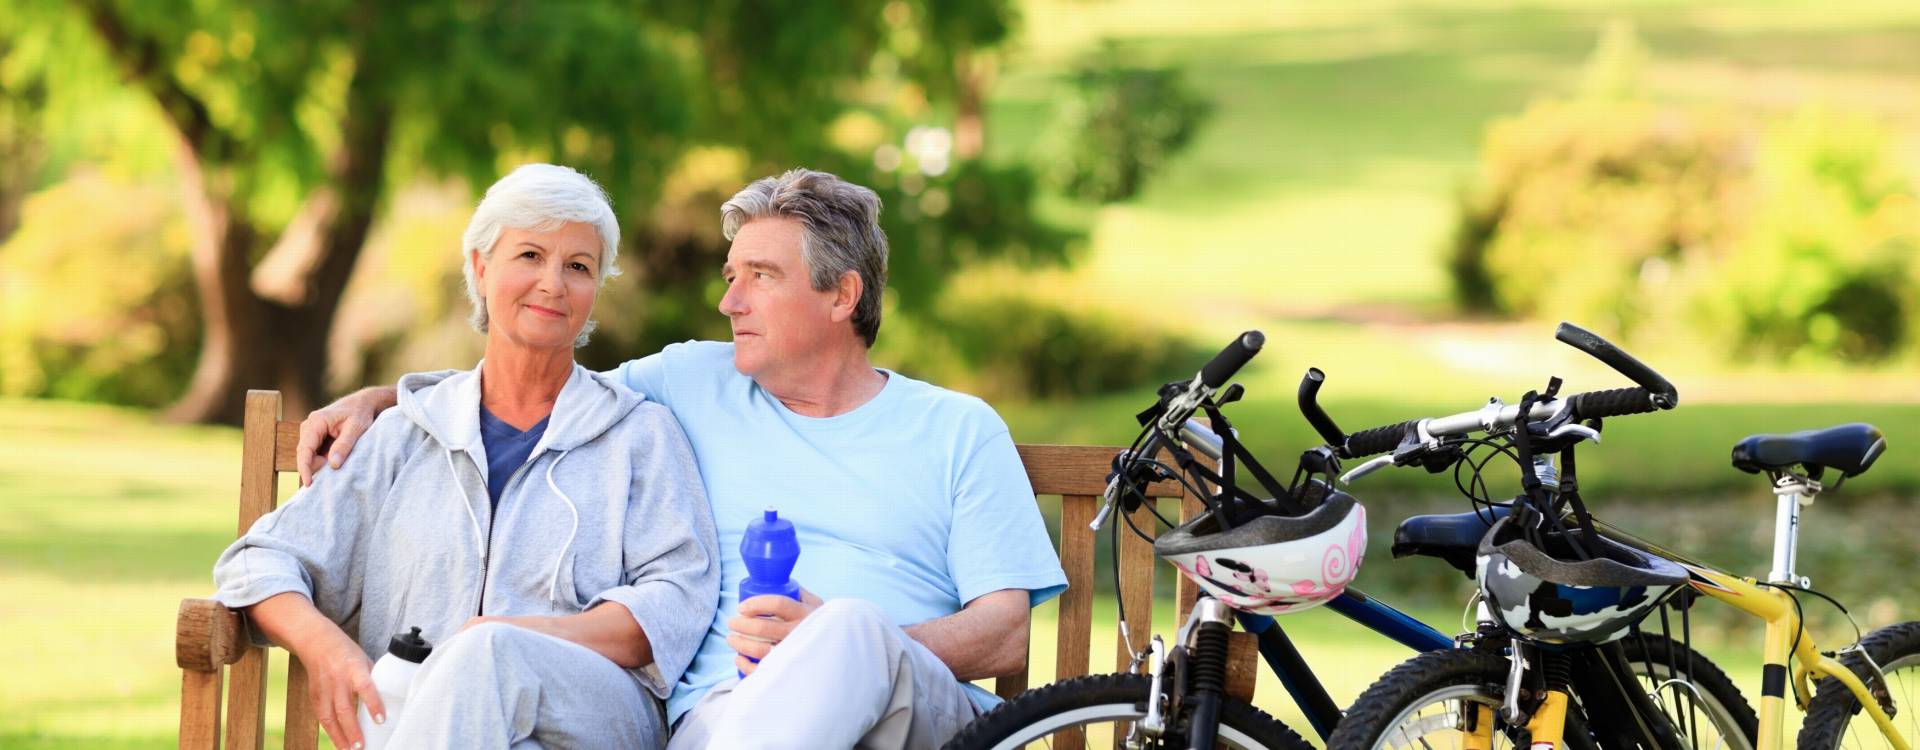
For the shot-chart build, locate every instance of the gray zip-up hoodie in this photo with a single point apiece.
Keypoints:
(608, 507)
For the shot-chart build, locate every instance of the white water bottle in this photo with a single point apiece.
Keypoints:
(392, 677)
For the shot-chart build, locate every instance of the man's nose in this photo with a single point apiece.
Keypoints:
(730, 302)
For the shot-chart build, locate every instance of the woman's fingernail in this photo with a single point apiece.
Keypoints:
(379, 718)
(356, 746)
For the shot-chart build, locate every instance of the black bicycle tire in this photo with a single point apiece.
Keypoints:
(1410, 680)
(1036, 705)
(1427, 673)
(1704, 674)
(1833, 704)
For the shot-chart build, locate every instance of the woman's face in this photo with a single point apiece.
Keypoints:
(539, 286)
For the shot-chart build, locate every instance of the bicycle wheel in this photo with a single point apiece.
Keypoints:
(1712, 715)
(1100, 708)
(1426, 702)
(1835, 718)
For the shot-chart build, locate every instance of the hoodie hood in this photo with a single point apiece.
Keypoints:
(447, 408)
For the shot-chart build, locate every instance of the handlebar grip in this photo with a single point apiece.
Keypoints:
(1664, 395)
(1309, 400)
(1377, 440)
(1231, 359)
(1618, 402)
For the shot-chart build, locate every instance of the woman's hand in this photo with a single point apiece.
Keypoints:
(608, 629)
(337, 672)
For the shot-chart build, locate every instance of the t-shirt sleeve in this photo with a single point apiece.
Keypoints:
(646, 376)
(998, 540)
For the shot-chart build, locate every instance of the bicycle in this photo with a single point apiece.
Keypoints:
(1173, 693)
(1515, 688)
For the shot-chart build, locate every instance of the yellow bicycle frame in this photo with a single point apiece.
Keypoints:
(1784, 632)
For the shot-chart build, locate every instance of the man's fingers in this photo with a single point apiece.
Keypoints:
(306, 456)
(749, 647)
(772, 605)
(760, 629)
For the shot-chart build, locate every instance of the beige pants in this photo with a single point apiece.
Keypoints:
(847, 677)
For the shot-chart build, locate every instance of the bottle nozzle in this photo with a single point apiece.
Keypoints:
(771, 515)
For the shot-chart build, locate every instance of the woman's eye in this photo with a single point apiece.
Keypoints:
(581, 267)
(529, 254)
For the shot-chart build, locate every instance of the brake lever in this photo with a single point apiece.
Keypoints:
(1372, 465)
(1574, 428)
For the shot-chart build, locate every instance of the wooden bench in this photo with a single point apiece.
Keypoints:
(212, 651)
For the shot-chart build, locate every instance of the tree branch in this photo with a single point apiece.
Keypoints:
(143, 62)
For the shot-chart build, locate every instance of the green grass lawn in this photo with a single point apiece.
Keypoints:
(111, 520)
(1325, 179)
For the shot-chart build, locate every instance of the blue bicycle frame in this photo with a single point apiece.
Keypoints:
(1285, 660)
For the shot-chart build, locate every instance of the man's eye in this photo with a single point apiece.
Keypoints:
(762, 275)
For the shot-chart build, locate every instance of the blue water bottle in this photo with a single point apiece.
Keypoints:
(770, 548)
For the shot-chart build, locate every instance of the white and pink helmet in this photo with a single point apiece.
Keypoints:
(1272, 564)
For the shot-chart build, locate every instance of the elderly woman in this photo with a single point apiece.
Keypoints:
(542, 525)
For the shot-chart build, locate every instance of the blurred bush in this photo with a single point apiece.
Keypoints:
(1588, 202)
(1120, 124)
(1825, 264)
(1004, 346)
(1795, 241)
(96, 295)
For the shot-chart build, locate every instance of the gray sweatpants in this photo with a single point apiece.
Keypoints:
(846, 677)
(497, 685)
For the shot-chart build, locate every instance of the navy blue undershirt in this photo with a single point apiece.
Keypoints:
(507, 448)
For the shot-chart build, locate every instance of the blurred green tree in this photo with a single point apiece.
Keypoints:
(294, 121)
(1122, 124)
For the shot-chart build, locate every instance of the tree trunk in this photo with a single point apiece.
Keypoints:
(268, 327)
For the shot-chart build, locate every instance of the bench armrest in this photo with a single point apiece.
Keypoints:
(207, 636)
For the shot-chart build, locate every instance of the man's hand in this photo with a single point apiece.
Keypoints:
(762, 623)
(337, 427)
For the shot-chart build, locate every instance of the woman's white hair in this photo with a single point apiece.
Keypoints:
(538, 197)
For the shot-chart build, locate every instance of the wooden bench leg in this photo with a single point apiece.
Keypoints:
(303, 728)
(199, 710)
(247, 701)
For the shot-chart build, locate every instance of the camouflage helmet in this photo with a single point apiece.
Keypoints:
(1553, 597)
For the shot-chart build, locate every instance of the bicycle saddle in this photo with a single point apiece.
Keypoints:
(1849, 448)
(1453, 537)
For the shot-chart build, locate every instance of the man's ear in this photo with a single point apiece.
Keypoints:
(847, 296)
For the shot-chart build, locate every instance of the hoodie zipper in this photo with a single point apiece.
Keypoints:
(486, 553)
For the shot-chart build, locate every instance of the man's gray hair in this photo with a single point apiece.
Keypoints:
(538, 197)
(842, 223)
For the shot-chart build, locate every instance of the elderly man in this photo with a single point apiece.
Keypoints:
(921, 549)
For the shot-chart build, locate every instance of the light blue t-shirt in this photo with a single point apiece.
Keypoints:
(916, 501)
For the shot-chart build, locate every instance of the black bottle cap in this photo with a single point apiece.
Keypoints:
(410, 646)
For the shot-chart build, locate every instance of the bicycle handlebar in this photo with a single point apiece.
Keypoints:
(1231, 359)
(1664, 395)
(1618, 402)
(1654, 393)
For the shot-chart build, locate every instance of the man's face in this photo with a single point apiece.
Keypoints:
(779, 320)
